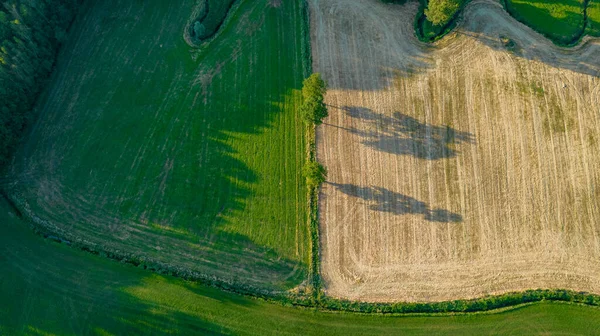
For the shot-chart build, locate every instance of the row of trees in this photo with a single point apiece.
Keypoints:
(314, 110)
(30, 34)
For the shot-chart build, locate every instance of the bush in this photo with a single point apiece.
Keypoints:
(315, 174)
(313, 109)
(440, 12)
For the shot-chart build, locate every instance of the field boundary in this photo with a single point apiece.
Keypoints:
(321, 302)
(453, 23)
(314, 271)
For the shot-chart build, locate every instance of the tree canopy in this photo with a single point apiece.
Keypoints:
(440, 12)
(313, 108)
(315, 174)
(30, 33)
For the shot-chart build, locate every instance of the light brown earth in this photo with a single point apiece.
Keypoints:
(456, 170)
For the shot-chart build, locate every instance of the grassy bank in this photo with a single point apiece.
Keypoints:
(593, 15)
(561, 21)
(207, 18)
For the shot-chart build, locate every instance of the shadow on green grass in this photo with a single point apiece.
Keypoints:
(50, 289)
(142, 150)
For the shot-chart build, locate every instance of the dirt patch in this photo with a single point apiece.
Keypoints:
(455, 170)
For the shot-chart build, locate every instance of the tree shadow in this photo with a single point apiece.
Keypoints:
(362, 51)
(356, 51)
(505, 33)
(384, 200)
(401, 134)
(140, 149)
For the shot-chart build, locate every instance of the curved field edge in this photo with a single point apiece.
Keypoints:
(590, 23)
(206, 22)
(319, 301)
(49, 288)
(427, 32)
(248, 223)
(540, 15)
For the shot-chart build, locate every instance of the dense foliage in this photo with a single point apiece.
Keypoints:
(313, 107)
(440, 12)
(315, 174)
(30, 33)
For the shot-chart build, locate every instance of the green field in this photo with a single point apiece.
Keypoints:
(561, 21)
(190, 158)
(51, 289)
(593, 12)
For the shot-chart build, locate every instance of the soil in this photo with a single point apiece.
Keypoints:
(460, 169)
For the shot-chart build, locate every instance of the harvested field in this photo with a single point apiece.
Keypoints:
(457, 170)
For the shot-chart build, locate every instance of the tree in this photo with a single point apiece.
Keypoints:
(440, 12)
(314, 86)
(314, 173)
(313, 108)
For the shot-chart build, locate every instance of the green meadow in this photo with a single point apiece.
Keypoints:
(188, 157)
(593, 12)
(562, 21)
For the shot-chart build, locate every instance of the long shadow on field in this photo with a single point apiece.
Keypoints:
(357, 49)
(384, 200)
(401, 134)
(158, 155)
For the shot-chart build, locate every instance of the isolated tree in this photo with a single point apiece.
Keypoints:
(439, 12)
(313, 108)
(314, 173)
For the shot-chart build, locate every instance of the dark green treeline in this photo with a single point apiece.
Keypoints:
(30, 33)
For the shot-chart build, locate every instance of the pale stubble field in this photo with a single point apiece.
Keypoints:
(460, 169)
